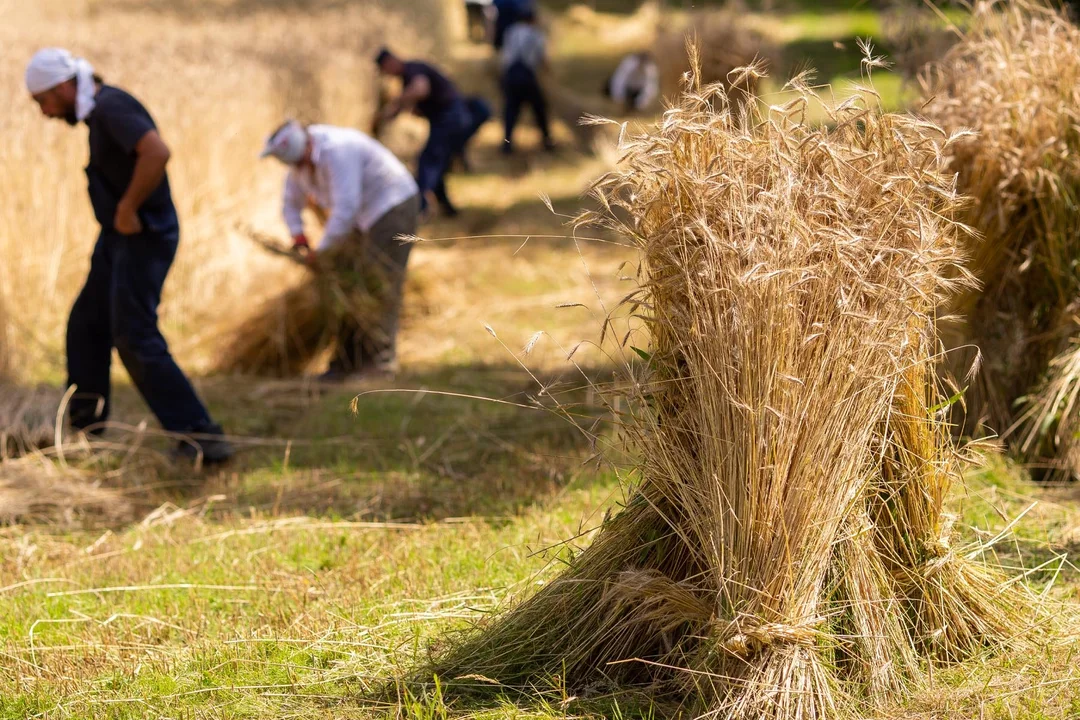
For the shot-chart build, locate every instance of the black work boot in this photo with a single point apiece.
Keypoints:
(206, 445)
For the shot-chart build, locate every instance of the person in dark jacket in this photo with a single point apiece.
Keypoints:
(430, 94)
(117, 307)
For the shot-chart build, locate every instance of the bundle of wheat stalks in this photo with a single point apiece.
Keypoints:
(287, 332)
(281, 337)
(720, 41)
(785, 553)
(1015, 81)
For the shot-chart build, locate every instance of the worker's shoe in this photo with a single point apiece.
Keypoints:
(206, 445)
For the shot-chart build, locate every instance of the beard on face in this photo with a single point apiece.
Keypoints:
(70, 117)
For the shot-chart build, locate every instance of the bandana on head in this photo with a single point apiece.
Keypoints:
(287, 144)
(52, 66)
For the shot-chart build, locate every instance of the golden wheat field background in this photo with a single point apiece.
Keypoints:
(217, 76)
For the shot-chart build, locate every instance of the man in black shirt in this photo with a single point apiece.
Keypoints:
(430, 94)
(117, 307)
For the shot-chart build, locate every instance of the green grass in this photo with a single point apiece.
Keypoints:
(286, 615)
(340, 549)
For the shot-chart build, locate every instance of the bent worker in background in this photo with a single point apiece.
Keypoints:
(431, 95)
(140, 231)
(635, 83)
(372, 204)
(523, 56)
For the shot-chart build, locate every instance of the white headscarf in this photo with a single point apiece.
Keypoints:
(52, 66)
(287, 144)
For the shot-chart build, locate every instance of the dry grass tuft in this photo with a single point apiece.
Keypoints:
(285, 334)
(1014, 81)
(27, 418)
(34, 490)
(282, 337)
(785, 553)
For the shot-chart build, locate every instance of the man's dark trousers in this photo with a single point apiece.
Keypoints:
(522, 87)
(448, 131)
(118, 308)
(367, 336)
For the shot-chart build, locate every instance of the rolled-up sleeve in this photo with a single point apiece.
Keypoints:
(126, 121)
(345, 173)
(293, 205)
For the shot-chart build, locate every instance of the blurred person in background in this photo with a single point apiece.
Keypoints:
(477, 14)
(635, 84)
(140, 231)
(372, 204)
(453, 120)
(523, 55)
(503, 15)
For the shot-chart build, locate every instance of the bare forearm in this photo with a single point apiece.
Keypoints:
(148, 174)
(391, 111)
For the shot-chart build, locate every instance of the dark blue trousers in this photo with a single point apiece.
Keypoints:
(118, 308)
(448, 133)
(521, 87)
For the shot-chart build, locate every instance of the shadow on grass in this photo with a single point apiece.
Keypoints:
(452, 441)
(1041, 563)
(478, 697)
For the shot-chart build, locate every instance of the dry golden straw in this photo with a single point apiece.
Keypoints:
(1014, 80)
(287, 333)
(37, 490)
(27, 418)
(785, 553)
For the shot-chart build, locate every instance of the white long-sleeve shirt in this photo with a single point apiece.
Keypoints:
(636, 76)
(355, 179)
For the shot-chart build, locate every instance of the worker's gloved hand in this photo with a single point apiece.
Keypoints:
(300, 244)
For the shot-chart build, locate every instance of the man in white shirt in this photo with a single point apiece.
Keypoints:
(372, 203)
(523, 54)
(635, 82)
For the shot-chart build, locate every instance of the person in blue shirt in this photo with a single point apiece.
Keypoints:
(117, 307)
